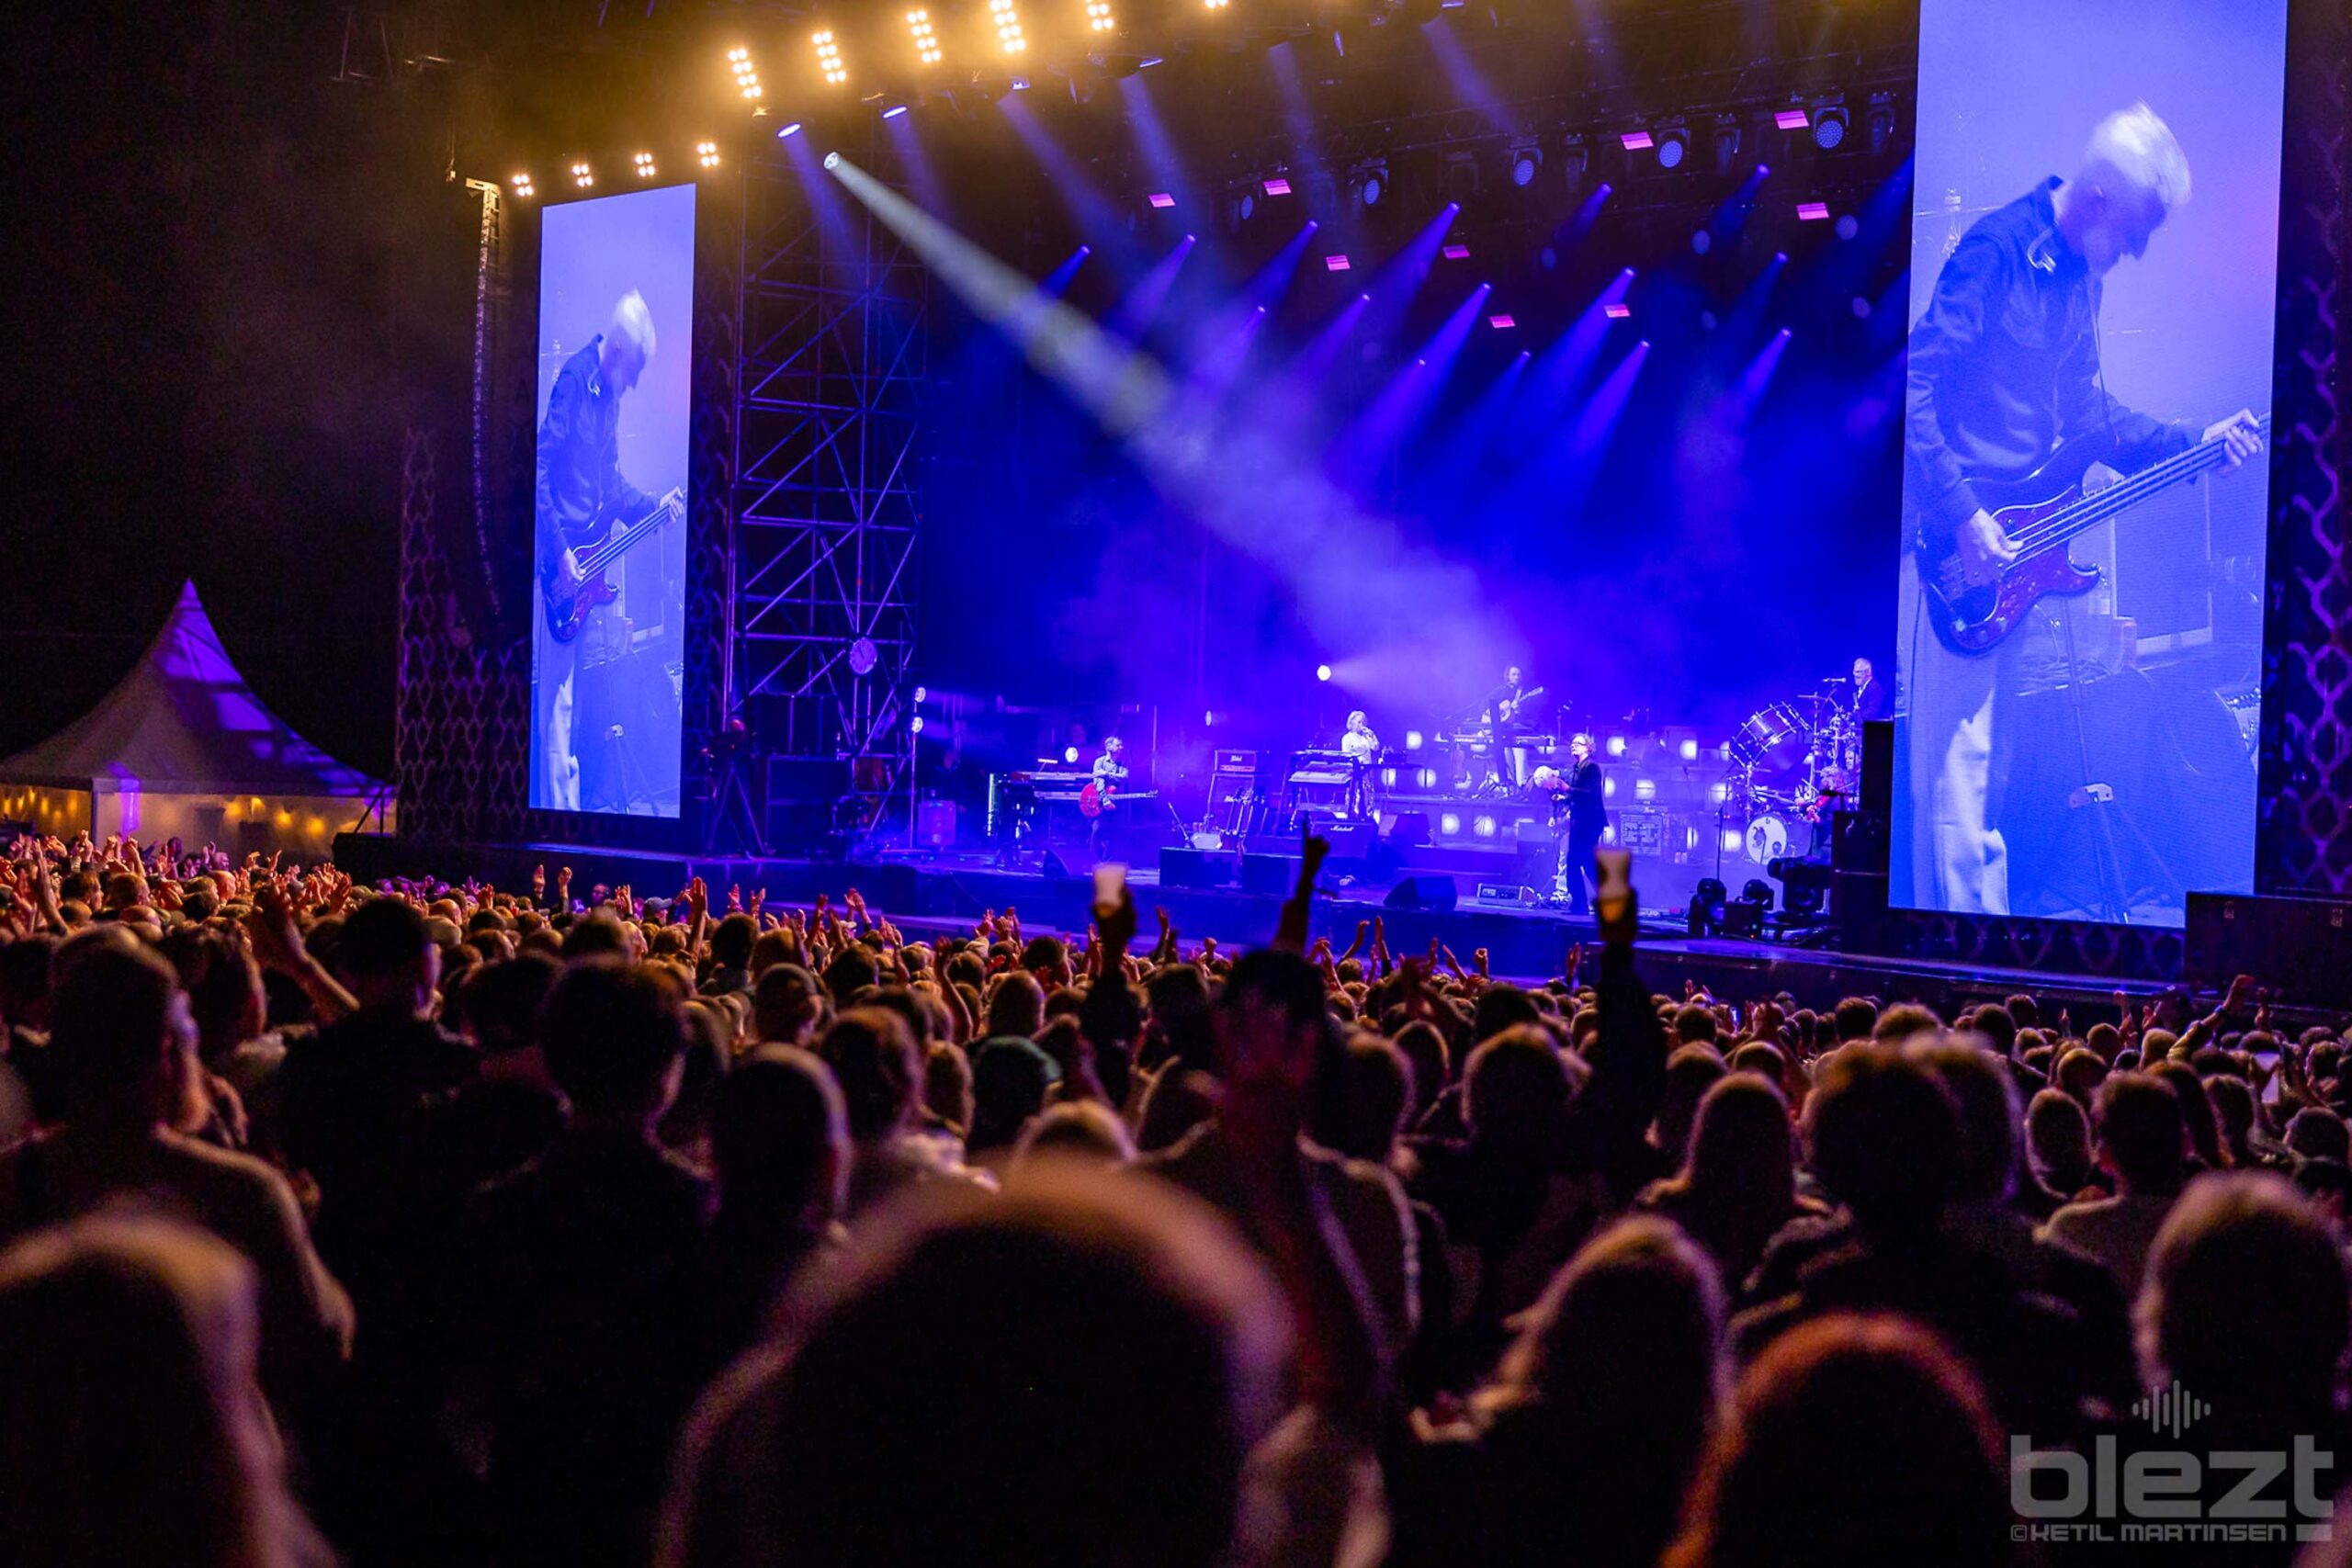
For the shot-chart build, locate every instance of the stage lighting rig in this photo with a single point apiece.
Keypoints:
(706, 155)
(1369, 182)
(522, 185)
(925, 36)
(1100, 18)
(1829, 126)
(1526, 158)
(747, 76)
(582, 176)
(1006, 15)
(643, 161)
(830, 63)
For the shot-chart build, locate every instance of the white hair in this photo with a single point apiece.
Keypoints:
(1356, 715)
(633, 323)
(2142, 149)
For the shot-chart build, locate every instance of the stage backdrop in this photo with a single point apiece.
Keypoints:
(612, 443)
(2097, 760)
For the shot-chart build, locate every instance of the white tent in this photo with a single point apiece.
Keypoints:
(183, 747)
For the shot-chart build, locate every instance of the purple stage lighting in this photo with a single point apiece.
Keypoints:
(1637, 140)
(789, 128)
(1813, 212)
(1335, 264)
(1617, 311)
(1161, 199)
(1277, 187)
(1322, 672)
(893, 111)
(1792, 119)
(1501, 321)
(1456, 253)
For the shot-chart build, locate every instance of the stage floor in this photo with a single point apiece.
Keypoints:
(952, 891)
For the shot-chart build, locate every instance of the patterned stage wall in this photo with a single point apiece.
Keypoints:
(2303, 845)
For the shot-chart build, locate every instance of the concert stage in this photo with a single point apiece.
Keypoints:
(1525, 944)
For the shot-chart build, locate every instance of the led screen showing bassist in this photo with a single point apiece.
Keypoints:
(588, 516)
(2015, 447)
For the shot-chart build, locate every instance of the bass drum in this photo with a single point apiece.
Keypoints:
(1768, 839)
(1772, 741)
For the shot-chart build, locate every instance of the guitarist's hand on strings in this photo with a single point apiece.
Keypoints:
(1984, 549)
(2242, 436)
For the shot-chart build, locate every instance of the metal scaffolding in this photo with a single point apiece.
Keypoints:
(829, 435)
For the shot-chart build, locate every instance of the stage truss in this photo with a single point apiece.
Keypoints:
(829, 443)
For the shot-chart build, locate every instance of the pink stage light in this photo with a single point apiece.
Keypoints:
(1335, 264)
(1637, 141)
(1813, 212)
(1278, 186)
(1457, 252)
(1618, 311)
(1792, 119)
(1502, 322)
(1160, 199)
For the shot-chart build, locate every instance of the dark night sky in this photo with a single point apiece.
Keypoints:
(204, 357)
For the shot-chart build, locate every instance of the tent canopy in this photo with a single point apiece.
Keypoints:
(183, 721)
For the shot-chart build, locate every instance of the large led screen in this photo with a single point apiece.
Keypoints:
(607, 646)
(2079, 638)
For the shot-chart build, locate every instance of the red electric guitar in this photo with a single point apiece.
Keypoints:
(569, 599)
(2043, 513)
(1098, 796)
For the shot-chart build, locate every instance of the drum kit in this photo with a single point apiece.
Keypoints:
(1793, 763)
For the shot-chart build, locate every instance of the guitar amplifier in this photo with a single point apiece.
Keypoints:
(1641, 833)
(1233, 761)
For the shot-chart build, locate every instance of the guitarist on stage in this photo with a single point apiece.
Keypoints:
(581, 492)
(2004, 369)
(1109, 773)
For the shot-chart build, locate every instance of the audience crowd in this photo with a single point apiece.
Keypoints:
(431, 1223)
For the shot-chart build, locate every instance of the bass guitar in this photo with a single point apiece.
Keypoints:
(569, 599)
(2043, 513)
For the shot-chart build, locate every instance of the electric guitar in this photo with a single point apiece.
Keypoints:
(2043, 513)
(569, 601)
(1098, 796)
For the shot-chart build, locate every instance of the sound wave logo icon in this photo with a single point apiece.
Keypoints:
(2170, 1410)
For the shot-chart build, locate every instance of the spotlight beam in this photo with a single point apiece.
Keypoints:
(1253, 491)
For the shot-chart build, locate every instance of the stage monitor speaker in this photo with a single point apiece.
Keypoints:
(935, 823)
(1435, 894)
(1878, 765)
(1857, 840)
(1858, 899)
(1406, 829)
(1196, 868)
(1504, 895)
(2301, 948)
(1270, 873)
(1054, 868)
(1742, 918)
